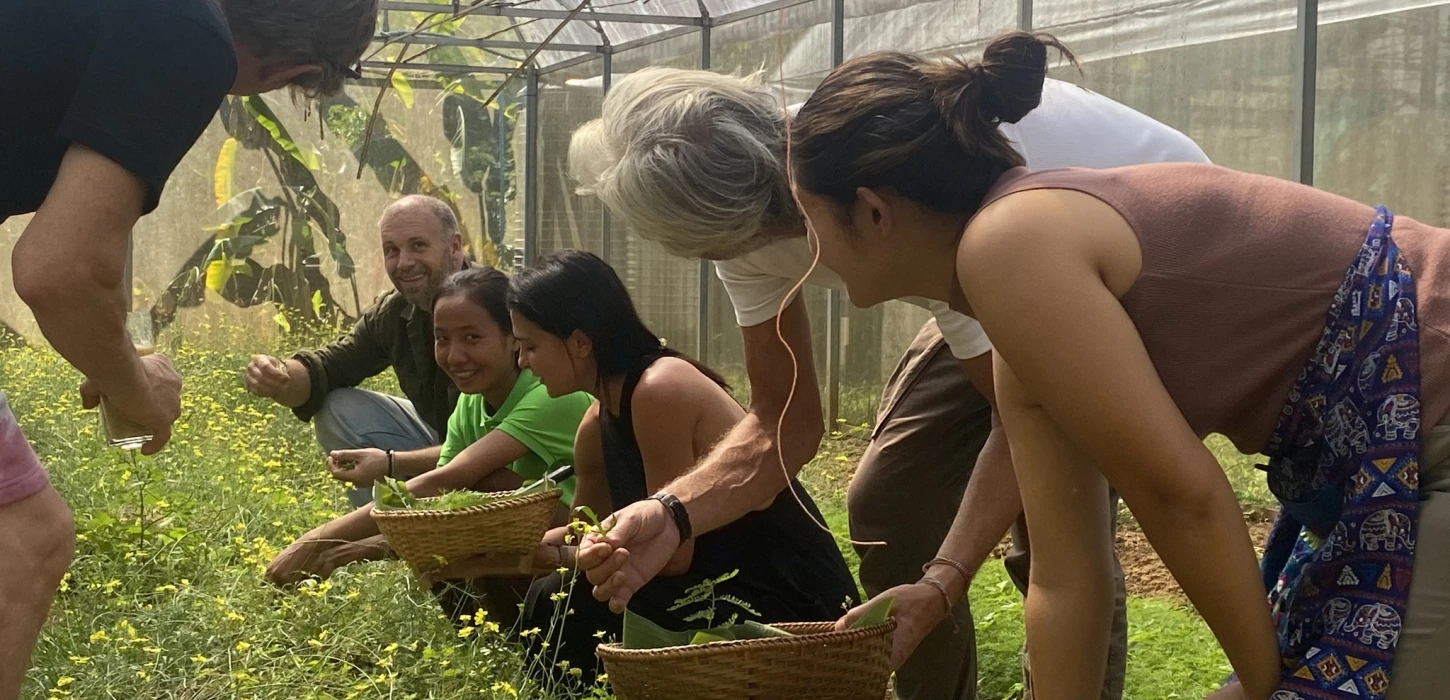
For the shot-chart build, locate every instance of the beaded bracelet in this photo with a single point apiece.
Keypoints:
(960, 568)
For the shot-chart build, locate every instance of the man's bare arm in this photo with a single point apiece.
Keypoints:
(69, 266)
(744, 472)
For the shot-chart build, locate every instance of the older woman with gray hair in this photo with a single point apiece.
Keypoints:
(696, 162)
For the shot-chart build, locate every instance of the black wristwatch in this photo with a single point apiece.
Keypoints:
(677, 513)
(392, 461)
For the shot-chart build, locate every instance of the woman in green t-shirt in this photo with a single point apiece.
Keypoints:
(504, 430)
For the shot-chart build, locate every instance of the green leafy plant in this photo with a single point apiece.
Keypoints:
(392, 494)
(704, 592)
(641, 633)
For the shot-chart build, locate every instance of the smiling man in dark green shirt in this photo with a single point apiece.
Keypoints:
(380, 435)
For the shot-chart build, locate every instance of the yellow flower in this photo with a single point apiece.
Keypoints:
(200, 659)
(78, 660)
(479, 616)
(235, 616)
(64, 681)
(465, 632)
(99, 636)
(243, 646)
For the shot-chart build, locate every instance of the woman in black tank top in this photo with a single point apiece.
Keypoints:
(657, 413)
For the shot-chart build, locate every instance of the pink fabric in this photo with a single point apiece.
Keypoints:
(21, 475)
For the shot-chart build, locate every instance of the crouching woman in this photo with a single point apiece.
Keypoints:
(657, 414)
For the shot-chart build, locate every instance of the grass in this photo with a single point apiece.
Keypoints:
(166, 597)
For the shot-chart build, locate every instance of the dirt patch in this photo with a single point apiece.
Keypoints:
(1146, 575)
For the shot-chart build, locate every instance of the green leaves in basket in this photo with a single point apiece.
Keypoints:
(391, 494)
(640, 633)
(705, 637)
(876, 614)
(458, 500)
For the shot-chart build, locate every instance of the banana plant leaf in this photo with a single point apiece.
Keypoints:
(877, 614)
(641, 633)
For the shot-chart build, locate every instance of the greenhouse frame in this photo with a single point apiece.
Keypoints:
(474, 102)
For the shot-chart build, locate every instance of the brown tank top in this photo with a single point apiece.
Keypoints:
(1239, 272)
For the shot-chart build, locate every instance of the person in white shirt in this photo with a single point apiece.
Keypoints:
(696, 161)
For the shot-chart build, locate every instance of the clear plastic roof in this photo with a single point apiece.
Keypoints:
(489, 34)
(486, 36)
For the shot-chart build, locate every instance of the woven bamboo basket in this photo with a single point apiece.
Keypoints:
(425, 539)
(815, 664)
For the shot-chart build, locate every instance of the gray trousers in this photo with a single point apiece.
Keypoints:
(353, 419)
(906, 491)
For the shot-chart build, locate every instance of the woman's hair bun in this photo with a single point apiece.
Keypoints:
(1004, 86)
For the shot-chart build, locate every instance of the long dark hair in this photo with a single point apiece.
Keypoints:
(926, 128)
(573, 290)
(486, 287)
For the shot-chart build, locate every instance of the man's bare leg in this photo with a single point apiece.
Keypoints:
(37, 540)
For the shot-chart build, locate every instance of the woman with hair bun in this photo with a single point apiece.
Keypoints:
(1134, 311)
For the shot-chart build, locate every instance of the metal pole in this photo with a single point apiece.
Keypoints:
(834, 307)
(1306, 68)
(605, 233)
(702, 302)
(500, 161)
(1024, 15)
(531, 168)
(838, 32)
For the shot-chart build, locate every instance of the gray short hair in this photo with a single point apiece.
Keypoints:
(690, 159)
(332, 34)
(447, 220)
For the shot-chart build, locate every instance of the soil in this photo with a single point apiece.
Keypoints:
(1146, 575)
(1144, 572)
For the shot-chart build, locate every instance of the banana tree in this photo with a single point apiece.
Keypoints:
(300, 215)
(397, 169)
